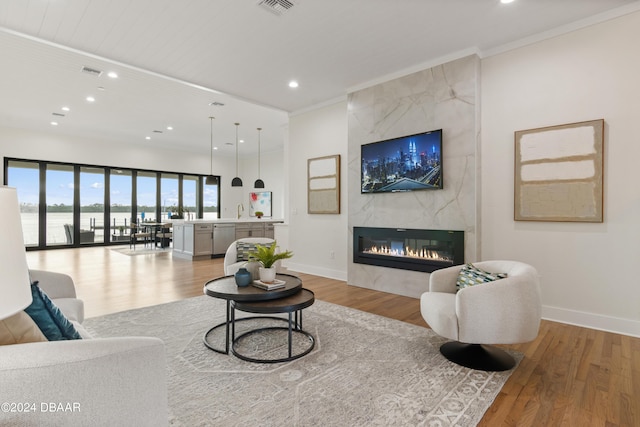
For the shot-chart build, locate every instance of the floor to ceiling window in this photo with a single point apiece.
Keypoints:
(120, 195)
(59, 201)
(64, 204)
(169, 194)
(92, 205)
(211, 199)
(146, 188)
(190, 191)
(25, 176)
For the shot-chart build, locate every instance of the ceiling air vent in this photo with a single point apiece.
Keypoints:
(92, 71)
(278, 7)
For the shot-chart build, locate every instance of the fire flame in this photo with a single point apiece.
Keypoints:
(408, 253)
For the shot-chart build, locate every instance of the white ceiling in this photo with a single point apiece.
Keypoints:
(175, 57)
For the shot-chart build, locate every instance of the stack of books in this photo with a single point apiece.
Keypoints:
(276, 284)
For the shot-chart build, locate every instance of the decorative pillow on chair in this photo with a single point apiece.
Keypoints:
(49, 318)
(471, 275)
(243, 249)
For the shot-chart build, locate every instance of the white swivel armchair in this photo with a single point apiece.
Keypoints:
(505, 311)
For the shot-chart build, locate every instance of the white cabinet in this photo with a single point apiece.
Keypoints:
(245, 230)
(223, 236)
(178, 237)
(191, 241)
(269, 230)
(202, 239)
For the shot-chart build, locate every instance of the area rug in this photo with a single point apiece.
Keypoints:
(365, 370)
(141, 251)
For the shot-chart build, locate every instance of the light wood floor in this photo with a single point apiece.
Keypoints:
(570, 376)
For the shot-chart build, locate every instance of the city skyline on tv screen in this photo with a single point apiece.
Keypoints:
(408, 163)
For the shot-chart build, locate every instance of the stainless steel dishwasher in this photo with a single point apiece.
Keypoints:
(223, 236)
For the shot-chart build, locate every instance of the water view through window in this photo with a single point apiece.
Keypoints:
(64, 204)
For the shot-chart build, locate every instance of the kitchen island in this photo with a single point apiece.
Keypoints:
(210, 238)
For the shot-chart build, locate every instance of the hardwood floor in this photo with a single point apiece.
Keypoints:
(570, 376)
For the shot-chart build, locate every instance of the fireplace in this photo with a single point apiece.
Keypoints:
(408, 249)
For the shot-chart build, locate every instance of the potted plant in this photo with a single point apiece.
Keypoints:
(267, 257)
(259, 214)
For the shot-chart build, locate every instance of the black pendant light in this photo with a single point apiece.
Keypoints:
(259, 183)
(236, 182)
(211, 180)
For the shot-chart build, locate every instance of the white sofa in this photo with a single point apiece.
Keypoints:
(97, 382)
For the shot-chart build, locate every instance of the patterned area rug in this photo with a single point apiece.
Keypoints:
(365, 370)
(141, 250)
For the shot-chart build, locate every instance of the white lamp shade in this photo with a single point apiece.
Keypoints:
(14, 288)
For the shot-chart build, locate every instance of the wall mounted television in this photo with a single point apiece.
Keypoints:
(407, 163)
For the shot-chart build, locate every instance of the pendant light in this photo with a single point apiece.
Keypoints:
(259, 183)
(211, 180)
(236, 182)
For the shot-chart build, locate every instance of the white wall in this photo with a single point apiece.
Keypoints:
(589, 271)
(55, 147)
(313, 238)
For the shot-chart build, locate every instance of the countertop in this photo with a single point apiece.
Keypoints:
(225, 220)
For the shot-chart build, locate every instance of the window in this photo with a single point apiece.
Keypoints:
(210, 201)
(91, 205)
(169, 194)
(146, 196)
(190, 193)
(25, 176)
(59, 199)
(65, 204)
(120, 212)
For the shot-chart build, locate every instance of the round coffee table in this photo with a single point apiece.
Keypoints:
(291, 304)
(226, 288)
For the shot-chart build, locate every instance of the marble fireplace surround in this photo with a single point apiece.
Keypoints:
(442, 97)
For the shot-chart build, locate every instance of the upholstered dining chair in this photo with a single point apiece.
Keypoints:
(502, 311)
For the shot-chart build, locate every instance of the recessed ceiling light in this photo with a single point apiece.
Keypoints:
(241, 141)
(506, 1)
(215, 148)
(66, 109)
(147, 137)
(54, 123)
(169, 127)
(90, 99)
(112, 74)
(293, 84)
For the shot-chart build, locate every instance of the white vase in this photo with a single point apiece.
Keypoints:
(267, 275)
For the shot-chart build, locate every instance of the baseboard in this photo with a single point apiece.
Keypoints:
(592, 321)
(316, 271)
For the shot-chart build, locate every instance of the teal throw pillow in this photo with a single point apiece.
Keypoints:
(471, 275)
(243, 249)
(49, 318)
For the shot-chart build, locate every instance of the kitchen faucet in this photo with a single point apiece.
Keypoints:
(240, 210)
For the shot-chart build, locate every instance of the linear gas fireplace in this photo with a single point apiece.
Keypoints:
(408, 249)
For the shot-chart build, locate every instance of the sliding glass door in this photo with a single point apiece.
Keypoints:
(25, 177)
(59, 202)
(63, 204)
